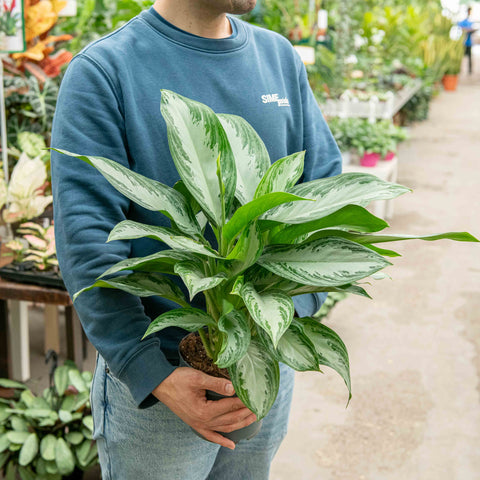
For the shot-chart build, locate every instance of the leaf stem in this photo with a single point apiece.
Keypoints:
(205, 342)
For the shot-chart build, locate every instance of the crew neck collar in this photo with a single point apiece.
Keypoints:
(214, 45)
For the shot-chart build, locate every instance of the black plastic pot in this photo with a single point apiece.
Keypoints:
(245, 433)
(24, 273)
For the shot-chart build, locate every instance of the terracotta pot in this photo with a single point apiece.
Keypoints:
(389, 156)
(450, 82)
(369, 159)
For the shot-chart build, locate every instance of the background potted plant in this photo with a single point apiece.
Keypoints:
(456, 52)
(48, 437)
(274, 239)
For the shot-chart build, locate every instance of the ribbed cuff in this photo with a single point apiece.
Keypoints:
(144, 372)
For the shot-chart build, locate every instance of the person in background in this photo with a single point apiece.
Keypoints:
(467, 27)
(143, 404)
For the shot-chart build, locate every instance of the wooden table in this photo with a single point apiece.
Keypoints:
(15, 355)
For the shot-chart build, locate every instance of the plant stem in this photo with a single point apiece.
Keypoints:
(205, 342)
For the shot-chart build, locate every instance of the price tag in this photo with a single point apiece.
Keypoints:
(307, 54)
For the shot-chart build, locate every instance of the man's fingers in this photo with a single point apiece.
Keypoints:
(217, 385)
(217, 438)
(229, 423)
(223, 406)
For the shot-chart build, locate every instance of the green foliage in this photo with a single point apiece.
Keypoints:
(48, 436)
(248, 281)
(360, 134)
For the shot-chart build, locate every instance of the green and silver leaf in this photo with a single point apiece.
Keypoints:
(142, 285)
(130, 230)
(190, 319)
(333, 193)
(196, 139)
(350, 217)
(247, 250)
(148, 193)
(256, 379)
(193, 275)
(159, 262)
(235, 331)
(282, 175)
(251, 155)
(330, 349)
(272, 311)
(328, 262)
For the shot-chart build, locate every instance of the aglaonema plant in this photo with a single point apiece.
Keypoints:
(275, 239)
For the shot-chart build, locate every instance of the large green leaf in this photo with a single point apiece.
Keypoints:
(47, 447)
(64, 457)
(333, 193)
(61, 379)
(193, 275)
(282, 175)
(349, 288)
(7, 383)
(161, 262)
(130, 230)
(350, 217)
(191, 319)
(29, 450)
(252, 210)
(296, 350)
(251, 155)
(330, 261)
(148, 193)
(196, 139)
(247, 249)
(256, 379)
(235, 339)
(142, 285)
(364, 238)
(272, 311)
(330, 349)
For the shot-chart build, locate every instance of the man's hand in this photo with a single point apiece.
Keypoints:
(183, 392)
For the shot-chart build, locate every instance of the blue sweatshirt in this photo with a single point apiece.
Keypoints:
(109, 105)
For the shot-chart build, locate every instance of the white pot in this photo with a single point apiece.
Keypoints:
(346, 158)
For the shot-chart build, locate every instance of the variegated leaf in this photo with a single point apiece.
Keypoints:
(333, 193)
(196, 139)
(148, 193)
(195, 279)
(282, 175)
(251, 155)
(350, 217)
(330, 261)
(379, 238)
(252, 210)
(330, 349)
(142, 285)
(256, 379)
(130, 230)
(236, 338)
(297, 351)
(160, 262)
(349, 288)
(272, 311)
(190, 319)
(247, 249)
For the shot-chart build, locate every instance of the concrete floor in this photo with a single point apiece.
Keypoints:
(415, 349)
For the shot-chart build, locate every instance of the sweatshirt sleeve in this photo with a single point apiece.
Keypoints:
(322, 159)
(89, 121)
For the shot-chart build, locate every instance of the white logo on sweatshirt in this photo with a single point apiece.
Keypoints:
(274, 98)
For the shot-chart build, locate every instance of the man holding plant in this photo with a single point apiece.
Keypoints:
(109, 106)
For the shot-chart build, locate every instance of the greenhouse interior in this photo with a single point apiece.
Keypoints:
(195, 201)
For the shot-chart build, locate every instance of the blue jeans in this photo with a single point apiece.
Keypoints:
(154, 444)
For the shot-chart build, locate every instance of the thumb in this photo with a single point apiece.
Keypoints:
(217, 385)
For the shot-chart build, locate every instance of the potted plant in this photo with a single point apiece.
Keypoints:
(33, 256)
(274, 239)
(453, 65)
(48, 437)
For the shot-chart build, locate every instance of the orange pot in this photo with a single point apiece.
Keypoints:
(450, 82)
